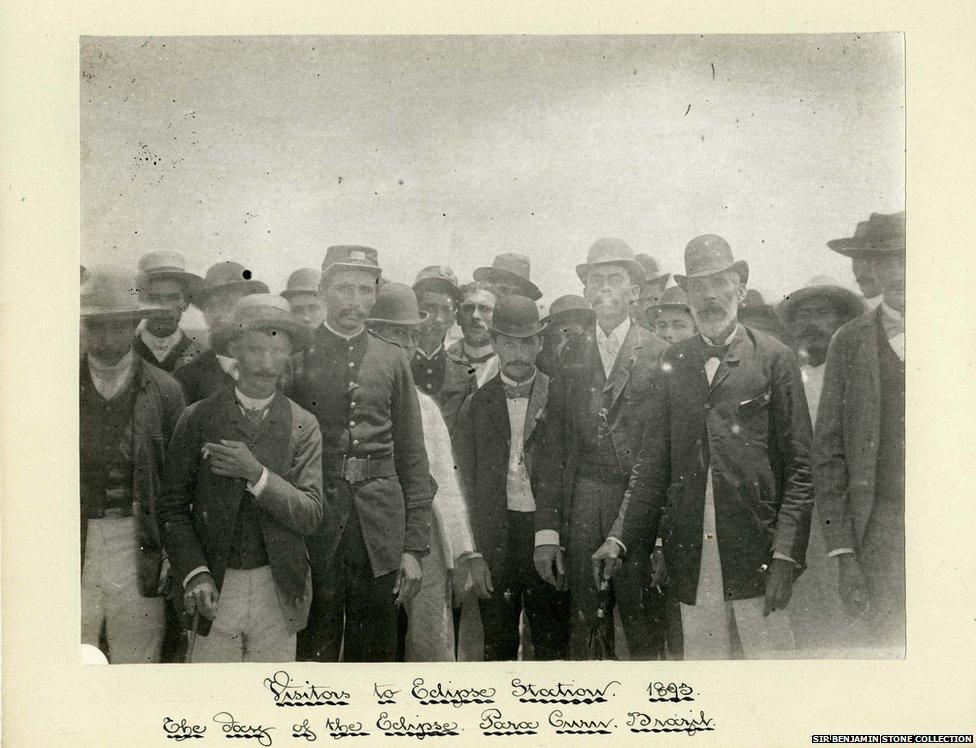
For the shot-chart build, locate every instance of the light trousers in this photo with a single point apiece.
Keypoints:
(430, 624)
(249, 626)
(110, 595)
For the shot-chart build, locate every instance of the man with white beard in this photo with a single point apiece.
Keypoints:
(724, 473)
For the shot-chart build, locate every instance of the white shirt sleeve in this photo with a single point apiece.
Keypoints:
(258, 487)
(193, 573)
(546, 537)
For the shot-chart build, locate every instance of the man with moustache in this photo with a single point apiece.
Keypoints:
(566, 338)
(164, 282)
(867, 281)
(500, 433)
(302, 294)
(128, 410)
(224, 284)
(594, 427)
(812, 315)
(366, 555)
(427, 627)
(241, 488)
(723, 472)
(859, 463)
(474, 317)
(436, 372)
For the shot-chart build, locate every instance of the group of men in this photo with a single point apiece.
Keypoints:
(326, 478)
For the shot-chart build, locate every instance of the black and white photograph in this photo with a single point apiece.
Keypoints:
(492, 348)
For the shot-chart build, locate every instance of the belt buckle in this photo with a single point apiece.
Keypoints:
(354, 469)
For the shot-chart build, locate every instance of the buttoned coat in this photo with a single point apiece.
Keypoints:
(198, 509)
(848, 431)
(751, 426)
(482, 447)
(447, 379)
(625, 396)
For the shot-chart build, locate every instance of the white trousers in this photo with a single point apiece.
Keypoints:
(249, 626)
(707, 625)
(110, 595)
(430, 623)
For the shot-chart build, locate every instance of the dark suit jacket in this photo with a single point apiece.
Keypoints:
(848, 426)
(752, 426)
(625, 396)
(198, 509)
(156, 409)
(202, 377)
(482, 446)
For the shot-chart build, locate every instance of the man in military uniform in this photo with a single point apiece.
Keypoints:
(366, 555)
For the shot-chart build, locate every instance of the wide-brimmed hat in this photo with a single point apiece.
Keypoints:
(512, 269)
(882, 233)
(351, 257)
(517, 317)
(303, 280)
(653, 288)
(709, 254)
(396, 304)
(672, 298)
(113, 296)
(265, 312)
(167, 265)
(227, 274)
(439, 278)
(570, 308)
(610, 251)
(822, 286)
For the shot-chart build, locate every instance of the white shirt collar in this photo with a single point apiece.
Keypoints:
(728, 340)
(893, 313)
(342, 334)
(513, 383)
(168, 342)
(112, 371)
(617, 334)
(252, 403)
(421, 352)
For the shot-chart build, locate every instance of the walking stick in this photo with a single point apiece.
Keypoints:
(193, 635)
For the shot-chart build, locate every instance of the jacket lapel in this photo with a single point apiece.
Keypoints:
(732, 357)
(497, 409)
(537, 404)
(870, 345)
(232, 413)
(624, 365)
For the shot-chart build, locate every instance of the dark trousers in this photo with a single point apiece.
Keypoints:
(353, 612)
(595, 505)
(520, 587)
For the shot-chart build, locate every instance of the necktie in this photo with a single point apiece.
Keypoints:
(254, 417)
(513, 391)
(714, 351)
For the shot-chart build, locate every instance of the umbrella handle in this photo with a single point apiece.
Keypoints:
(193, 636)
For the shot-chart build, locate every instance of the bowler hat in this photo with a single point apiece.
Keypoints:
(227, 274)
(881, 234)
(439, 278)
(350, 257)
(754, 312)
(709, 254)
(846, 301)
(396, 304)
(303, 280)
(516, 317)
(610, 251)
(166, 265)
(108, 295)
(511, 269)
(672, 298)
(265, 312)
(570, 307)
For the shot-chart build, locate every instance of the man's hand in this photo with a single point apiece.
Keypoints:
(201, 594)
(779, 585)
(480, 577)
(234, 460)
(605, 561)
(163, 577)
(408, 578)
(659, 570)
(458, 581)
(549, 564)
(851, 585)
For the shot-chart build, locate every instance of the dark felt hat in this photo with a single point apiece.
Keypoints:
(351, 257)
(513, 269)
(881, 234)
(709, 254)
(167, 265)
(303, 280)
(227, 274)
(516, 317)
(672, 298)
(568, 308)
(438, 278)
(396, 304)
(822, 286)
(610, 251)
(266, 312)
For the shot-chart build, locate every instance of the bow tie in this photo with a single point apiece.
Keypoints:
(513, 391)
(714, 351)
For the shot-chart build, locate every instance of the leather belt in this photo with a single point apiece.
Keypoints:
(358, 469)
(601, 473)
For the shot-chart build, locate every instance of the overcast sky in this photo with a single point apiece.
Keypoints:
(448, 150)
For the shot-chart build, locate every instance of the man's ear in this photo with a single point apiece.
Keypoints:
(742, 292)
